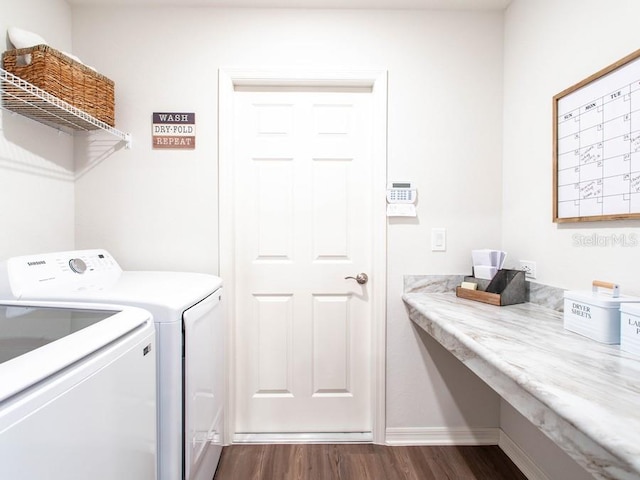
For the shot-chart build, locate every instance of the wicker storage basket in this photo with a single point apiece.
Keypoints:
(64, 78)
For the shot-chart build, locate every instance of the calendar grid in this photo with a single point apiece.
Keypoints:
(597, 146)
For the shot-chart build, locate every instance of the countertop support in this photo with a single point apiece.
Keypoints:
(583, 395)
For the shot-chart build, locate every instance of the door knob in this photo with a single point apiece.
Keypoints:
(361, 278)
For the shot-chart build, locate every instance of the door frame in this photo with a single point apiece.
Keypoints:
(376, 80)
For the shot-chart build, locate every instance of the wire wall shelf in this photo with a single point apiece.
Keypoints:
(26, 99)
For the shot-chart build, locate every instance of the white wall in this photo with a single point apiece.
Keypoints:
(158, 209)
(36, 163)
(550, 46)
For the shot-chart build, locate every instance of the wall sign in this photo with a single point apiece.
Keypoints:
(596, 146)
(174, 130)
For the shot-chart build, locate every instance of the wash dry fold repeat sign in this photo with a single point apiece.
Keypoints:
(174, 130)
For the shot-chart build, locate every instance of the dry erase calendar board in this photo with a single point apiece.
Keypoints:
(596, 138)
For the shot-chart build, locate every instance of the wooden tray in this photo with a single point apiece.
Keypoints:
(506, 288)
(479, 296)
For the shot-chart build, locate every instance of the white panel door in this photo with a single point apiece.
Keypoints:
(303, 183)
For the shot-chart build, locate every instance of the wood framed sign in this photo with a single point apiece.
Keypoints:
(175, 130)
(596, 146)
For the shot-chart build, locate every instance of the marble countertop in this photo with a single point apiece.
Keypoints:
(583, 394)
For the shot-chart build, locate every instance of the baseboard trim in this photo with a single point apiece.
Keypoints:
(442, 436)
(467, 436)
(352, 437)
(520, 458)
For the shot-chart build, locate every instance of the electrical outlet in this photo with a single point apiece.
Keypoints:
(529, 269)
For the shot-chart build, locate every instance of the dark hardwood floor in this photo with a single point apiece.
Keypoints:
(355, 462)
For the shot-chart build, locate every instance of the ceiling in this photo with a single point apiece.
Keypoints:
(341, 4)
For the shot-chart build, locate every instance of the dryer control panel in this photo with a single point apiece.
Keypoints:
(76, 270)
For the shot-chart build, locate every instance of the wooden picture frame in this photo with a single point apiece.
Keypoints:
(596, 146)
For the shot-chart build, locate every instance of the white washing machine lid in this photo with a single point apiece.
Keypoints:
(54, 276)
(40, 339)
(165, 294)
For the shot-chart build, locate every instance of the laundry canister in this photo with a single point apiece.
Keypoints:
(596, 314)
(630, 328)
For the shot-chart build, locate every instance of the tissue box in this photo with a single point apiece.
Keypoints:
(630, 328)
(595, 315)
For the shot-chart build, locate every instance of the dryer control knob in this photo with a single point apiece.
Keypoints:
(78, 265)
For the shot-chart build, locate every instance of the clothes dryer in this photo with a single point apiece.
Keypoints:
(190, 332)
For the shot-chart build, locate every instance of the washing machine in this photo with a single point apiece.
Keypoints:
(78, 392)
(189, 323)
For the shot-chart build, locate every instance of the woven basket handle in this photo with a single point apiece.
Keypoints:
(611, 286)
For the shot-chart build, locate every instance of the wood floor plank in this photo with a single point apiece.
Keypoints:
(405, 463)
(364, 461)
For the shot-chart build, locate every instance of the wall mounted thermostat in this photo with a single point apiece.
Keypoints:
(401, 199)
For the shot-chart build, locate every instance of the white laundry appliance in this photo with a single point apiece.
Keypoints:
(190, 332)
(77, 392)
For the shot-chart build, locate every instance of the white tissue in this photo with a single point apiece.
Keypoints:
(494, 258)
(20, 38)
(487, 262)
(77, 59)
(485, 272)
(72, 56)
